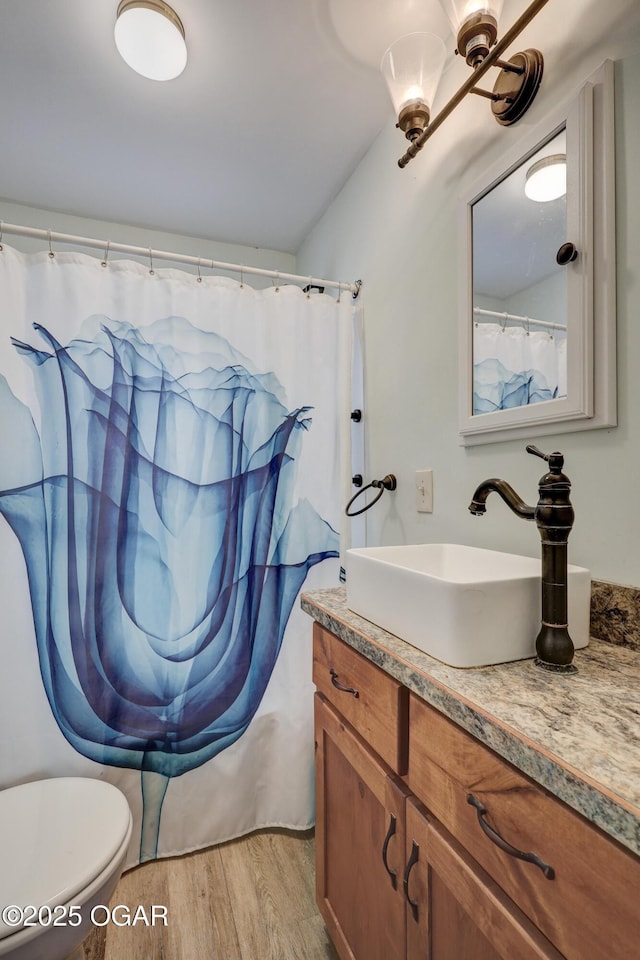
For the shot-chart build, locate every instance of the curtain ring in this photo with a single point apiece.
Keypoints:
(105, 260)
(309, 288)
(339, 292)
(1, 244)
(504, 322)
(277, 285)
(241, 278)
(52, 255)
(151, 270)
(199, 280)
(527, 325)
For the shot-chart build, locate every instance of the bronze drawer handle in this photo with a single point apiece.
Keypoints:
(413, 859)
(495, 837)
(385, 847)
(340, 686)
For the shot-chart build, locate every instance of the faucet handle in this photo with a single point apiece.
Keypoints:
(537, 453)
(555, 459)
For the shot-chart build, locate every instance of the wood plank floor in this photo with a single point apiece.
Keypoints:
(249, 899)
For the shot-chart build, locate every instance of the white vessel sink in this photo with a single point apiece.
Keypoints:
(466, 606)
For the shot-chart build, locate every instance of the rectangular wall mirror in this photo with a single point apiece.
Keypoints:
(537, 313)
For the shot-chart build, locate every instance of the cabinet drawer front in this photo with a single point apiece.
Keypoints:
(372, 701)
(447, 767)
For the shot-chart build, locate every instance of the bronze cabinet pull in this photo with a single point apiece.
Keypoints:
(341, 686)
(495, 837)
(413, 859)
(385, 847)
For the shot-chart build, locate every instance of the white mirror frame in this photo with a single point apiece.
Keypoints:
(591, 306)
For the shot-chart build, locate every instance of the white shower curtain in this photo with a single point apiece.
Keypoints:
(174, 468)
(513, 367)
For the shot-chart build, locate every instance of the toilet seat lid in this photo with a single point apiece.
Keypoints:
(56, 837)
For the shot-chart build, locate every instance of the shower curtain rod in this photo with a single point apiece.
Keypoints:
(108, 246)
(478, 311)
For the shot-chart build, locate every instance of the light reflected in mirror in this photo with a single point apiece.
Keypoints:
(519, 291)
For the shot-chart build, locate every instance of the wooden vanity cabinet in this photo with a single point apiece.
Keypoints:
(422, 866)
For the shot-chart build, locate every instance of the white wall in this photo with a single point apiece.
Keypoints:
(139, 237)
(397, 230)
(545, 300)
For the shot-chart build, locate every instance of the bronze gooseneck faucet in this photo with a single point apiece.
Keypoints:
(554, 518)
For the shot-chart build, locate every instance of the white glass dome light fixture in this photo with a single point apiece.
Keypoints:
(150, 38)
(412, 67)
(546, 179)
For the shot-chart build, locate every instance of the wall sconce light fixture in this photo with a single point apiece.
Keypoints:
(150, 38)
(412, 67)
(475, 23)
(546, 179)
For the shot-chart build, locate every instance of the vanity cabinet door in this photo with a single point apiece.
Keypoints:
(359, 843)
(454, 910)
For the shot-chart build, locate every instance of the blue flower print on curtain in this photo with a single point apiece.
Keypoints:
(496, 388)
(163, 548)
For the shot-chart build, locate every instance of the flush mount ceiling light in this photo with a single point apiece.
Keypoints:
(475, 23)
(150, 38)
(546, 179)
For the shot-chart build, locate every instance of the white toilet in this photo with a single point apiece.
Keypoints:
(63, 843)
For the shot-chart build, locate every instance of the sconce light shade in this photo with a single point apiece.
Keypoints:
(459, 11)
(546, 179)
(475, 23)
(412, 67)
(150, 38)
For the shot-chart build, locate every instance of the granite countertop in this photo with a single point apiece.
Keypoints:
(576, 735)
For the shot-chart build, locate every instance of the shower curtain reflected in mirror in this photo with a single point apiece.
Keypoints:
(514, 367)
(173, 470)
